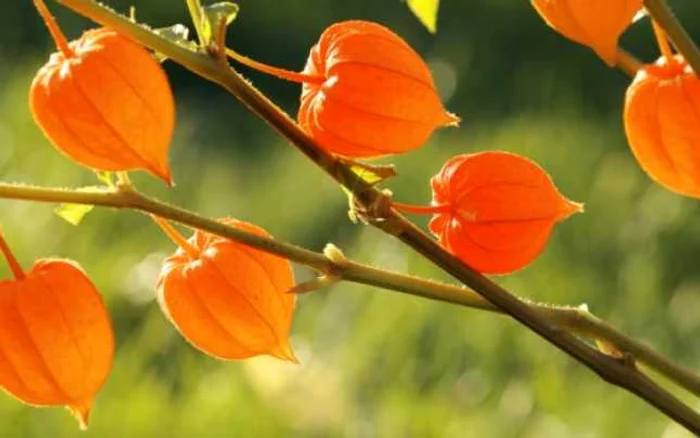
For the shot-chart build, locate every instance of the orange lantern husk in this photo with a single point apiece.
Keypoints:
(662, 123)
(597, 24)
(377, 98)
(494, 210)
(228, 300)
(105, 101)
(366, 93)
(56, 340)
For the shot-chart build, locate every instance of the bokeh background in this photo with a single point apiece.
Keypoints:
(374, 363)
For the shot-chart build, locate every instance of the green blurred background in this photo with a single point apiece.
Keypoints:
(374, 363)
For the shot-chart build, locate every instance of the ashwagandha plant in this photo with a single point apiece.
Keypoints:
(365, 93)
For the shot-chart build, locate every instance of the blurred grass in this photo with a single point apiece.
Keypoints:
(374, 363)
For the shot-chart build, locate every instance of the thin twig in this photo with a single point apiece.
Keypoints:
(628, 63)
(616, 372)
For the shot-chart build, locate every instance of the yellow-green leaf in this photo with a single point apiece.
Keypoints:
(426, 11)
(371, 173)
(177, 33)
(73, 213)
(214, 16)
(106, 177)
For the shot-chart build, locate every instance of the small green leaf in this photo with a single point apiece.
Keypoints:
(214, 16)
(426, 11)
(372, 174)
(106, 177)
(177, 33)
(73, 213)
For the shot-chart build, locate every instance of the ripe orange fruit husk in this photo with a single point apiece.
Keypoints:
(662, 123)
(56, 340)
(375, 96)
(107, 104)
(227, 299)
(497, 210)
(597, 24)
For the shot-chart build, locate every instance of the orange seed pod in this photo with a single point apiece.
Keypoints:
(597, 24)
(228, 300)
(662, 123)
(56, 340)
(366, 93)
(376, 97)
(104, 101)
(494, 210)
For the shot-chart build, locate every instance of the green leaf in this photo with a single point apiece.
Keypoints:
(73, 213)
(106, 177)
(214, 16)
(426, 11)
(372, 174)
(178, 34)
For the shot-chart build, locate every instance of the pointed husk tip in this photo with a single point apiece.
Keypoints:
(81, 412)
(570, 207)
(450, 119)
(163, 173)
(285, 352)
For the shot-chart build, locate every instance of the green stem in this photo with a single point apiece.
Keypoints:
(662, 14)
(195, 9)
(616, 372)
